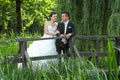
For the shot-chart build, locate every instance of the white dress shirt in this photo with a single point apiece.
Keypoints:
(65, 30)
(66, 23)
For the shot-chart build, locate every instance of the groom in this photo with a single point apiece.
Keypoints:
(67, 31)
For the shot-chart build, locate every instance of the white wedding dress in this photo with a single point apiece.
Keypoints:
(43, 48)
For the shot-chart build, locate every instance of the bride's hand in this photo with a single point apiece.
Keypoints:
(57, 32)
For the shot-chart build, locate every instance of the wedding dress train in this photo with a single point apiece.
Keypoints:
(43, 48)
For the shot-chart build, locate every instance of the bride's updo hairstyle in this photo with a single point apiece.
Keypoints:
(51, 14)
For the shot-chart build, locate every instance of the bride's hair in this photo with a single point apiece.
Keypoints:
(51, 14)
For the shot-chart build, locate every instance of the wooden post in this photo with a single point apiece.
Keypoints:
(71, 42)
(117, 43)
(96, 47)
(22, 49)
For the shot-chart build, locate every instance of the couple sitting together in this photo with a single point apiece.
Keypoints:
(64, 29)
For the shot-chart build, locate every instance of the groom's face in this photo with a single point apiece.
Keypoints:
(64, 17)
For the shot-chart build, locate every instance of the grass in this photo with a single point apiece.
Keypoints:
(70, 69)
(67, 71)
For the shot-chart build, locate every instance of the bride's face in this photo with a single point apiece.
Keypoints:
(54, 17)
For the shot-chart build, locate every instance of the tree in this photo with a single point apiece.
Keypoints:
(6, 14)
(91, 16)
(18, 12)
(18, 15)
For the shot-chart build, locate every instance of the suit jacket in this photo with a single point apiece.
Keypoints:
(70, 29)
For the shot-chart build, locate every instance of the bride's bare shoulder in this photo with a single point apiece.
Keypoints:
(47, 22)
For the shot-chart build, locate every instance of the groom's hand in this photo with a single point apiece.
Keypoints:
(68, 36)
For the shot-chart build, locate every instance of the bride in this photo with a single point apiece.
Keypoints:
(44, 47)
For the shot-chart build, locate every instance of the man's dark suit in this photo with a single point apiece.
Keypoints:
(59, 44)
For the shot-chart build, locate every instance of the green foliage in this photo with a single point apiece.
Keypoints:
(67, 71)
(36, 11)
(7, 13)
(114, 24)
(93, 17)
(32, 11)
(112, 63)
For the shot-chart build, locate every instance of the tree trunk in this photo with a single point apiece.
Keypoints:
(18, 12)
